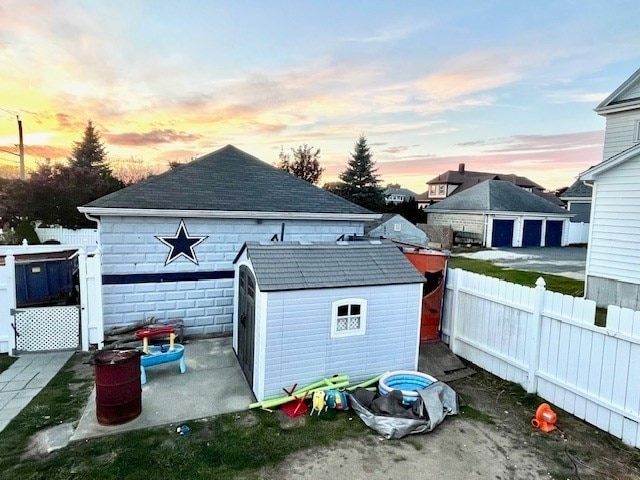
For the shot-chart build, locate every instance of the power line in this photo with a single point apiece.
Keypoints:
(7, 151)
(10, 112)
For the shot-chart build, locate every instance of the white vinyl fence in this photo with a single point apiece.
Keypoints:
(548, 343)
(84, 237)
(90, 280)
(578, 233)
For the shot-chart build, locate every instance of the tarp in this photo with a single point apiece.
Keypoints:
(388, 416)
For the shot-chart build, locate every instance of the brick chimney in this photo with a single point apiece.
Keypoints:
(461, 168)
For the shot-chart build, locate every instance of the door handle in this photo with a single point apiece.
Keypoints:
(243, 320)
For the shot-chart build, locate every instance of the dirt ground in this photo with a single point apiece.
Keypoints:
(494, 440)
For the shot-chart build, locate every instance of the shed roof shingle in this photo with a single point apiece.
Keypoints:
(227, 180)
(295, 266)
(578, 189)
(497, 196)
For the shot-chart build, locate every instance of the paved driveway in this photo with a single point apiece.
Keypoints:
(565, 261)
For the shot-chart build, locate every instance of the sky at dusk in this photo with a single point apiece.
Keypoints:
(503, 86)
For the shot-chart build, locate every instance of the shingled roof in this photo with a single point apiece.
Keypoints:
(578, 190)
(497, 196)
(297, 266)
(226, 180)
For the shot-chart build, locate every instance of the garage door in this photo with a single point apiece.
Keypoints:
(502, 235)
(532, 234)
(553, 235)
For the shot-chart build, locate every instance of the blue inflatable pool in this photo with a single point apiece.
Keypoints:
(407, 381)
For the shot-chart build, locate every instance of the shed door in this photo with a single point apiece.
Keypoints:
(502, 235)
(532, 234)
(553, 236)
(246, 323)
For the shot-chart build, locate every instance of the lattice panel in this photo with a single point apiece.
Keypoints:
(48, 328)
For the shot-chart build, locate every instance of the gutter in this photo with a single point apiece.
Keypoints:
(142, 212)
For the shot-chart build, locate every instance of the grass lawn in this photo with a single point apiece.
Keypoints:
(6, 361)
(226, 446)
(555, 283)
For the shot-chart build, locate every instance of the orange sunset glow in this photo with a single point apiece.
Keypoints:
(430, 85)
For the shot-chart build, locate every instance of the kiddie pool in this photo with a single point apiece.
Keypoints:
(407, 381)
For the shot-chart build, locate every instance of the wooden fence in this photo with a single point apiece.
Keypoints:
(548, 343)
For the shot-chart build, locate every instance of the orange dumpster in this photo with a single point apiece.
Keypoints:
(433, 265)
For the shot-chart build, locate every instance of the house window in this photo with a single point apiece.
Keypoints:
(349, 317)
(433, 189)
(636, 132)
(442, 190)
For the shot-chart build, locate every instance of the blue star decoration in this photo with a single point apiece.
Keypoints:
(182, 244)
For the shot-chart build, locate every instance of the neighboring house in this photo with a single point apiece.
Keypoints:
(168, 243)
(497, 213)
(453, 182)
(311, 311)
(613, 254)
(398, 195)
(395, 227)
(578, 200)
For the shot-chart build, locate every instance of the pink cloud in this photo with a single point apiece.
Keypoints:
(152, 137)
(551, 160)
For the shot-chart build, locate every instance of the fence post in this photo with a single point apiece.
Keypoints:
(96, 320)
(534, 335)
(453, 327)
(84, 304)
(10, 264)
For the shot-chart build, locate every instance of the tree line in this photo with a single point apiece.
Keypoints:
(53, 191)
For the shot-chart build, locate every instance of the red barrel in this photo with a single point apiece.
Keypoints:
(118, 387)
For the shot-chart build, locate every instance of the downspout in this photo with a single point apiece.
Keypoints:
(97, 220)
(592, 185)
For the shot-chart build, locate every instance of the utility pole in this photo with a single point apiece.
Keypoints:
(21, 145)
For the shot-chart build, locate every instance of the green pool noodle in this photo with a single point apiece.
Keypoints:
(339, 381)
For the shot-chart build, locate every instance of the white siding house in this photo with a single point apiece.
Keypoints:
(310, 311)
(168, 243)
(613, 255)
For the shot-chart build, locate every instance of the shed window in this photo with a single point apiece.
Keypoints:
(349, 317)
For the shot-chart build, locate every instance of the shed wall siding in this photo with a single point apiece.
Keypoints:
(129, 246)
(468, 222)
(614, 250)
(620, 132)
(299, 347)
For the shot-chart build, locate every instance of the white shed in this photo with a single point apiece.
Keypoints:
(304, 312)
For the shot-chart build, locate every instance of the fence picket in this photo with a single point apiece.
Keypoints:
(587, 370)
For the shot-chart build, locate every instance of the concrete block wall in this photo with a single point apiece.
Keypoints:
(459, 222)
(605, 292)
(130, 248)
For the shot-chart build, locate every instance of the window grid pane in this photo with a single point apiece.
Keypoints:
(353, 323)
(342, 324)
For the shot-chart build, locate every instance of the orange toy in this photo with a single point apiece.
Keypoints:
(545, 418)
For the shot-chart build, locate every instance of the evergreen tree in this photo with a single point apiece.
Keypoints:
(305, 163)
(90, 151)
(361, 185)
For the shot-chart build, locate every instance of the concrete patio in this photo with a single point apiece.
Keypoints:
(212, 385)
